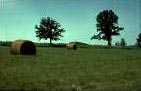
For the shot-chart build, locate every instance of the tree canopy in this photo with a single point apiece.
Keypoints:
(49, 29)
(107, 26)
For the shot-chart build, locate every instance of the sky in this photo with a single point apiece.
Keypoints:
(78, 17)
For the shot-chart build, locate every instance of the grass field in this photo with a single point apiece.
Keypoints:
(59, 68)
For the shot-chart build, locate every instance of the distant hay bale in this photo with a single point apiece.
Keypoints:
(71, 45)
(23, 47)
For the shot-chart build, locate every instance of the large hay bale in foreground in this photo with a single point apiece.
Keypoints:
(71, 45)
(23, 47)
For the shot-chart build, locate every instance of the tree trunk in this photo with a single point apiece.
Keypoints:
(109, 42)
(50, 41)
(109, 39)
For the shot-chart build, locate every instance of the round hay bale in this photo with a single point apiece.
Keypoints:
(23, 47)
(71, 45)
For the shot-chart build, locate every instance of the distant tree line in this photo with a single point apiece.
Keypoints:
(122, 43)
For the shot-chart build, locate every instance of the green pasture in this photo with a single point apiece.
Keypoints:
(59, 68)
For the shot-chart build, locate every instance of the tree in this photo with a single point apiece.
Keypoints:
(122, 42)
(139, 40)
(49, 29)
(117, 44)
(107, 26)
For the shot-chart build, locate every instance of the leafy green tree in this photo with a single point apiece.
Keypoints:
(139, 40)
(107, 26)
(123, 42)
(49, 29)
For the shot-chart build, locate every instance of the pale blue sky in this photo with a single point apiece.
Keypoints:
(77, 17)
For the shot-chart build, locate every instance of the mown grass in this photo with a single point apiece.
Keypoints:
(59, 68)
